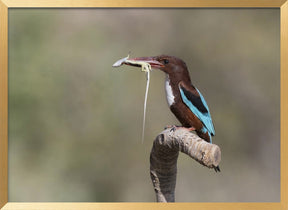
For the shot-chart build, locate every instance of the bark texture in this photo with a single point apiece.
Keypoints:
(164, 155)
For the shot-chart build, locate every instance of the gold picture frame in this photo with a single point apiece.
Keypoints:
(6, 4)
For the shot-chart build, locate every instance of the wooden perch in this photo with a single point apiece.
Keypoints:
(164, 155)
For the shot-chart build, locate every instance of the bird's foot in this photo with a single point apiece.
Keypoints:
(168, 126)
(172, 127)
(175, 127)
(191, 129)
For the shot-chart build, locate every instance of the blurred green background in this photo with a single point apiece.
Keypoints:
(75, 122)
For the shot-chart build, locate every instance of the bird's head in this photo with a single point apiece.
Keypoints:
(171, 65)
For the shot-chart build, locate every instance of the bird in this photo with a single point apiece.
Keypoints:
(184, 99)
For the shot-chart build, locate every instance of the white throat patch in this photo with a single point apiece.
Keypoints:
(169, 94)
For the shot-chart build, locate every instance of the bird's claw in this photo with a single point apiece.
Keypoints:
(172, 127)
(168, 126)
(191, 129)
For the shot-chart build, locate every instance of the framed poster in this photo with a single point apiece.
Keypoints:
(72, 122)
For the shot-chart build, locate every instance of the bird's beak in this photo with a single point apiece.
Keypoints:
(151, 60)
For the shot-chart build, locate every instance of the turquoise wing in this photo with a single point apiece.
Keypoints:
(199, 107)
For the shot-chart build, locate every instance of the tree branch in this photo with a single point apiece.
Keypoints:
(164, 155)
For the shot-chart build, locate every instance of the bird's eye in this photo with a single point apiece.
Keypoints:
(166, 61)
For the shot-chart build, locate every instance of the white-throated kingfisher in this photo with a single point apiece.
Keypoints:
(185, 101)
